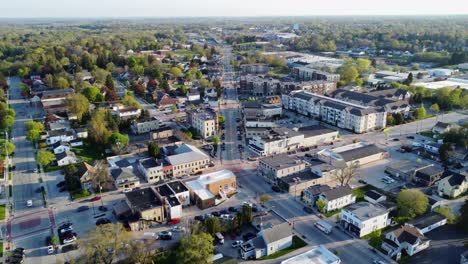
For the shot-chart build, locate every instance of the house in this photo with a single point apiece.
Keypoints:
(295, 184)
(126, 113)
(145, 126)
(181, 191)
(161, 133)
(66, 158)
(277, 166)
(85, 173)
(428, 222)
(453, 184)
(81, 132)
(124, 178)
(164, 101)
(442, 127)
(429, 175)
(267, 242)
(76, 143)
(405, 238)
(148, 205)
(363, 218)
(359, 153)
(59, 147)
(59, 136)
(337, 198)
(374, 197)
(317, 255)
(173, 205)
(152, 169)
(193, 96)
(205, 190)
(53, 101)
(312, 193)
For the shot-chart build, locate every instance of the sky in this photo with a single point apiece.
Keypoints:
(222, 8)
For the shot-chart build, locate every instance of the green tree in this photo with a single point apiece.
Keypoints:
(154, 150)
(174, 109)
(61, 83)
(34, 130)
(138, 70)
(92, 93)
(165, 86)
(77, 104)
(264, 198)
(363, 65)
(247, 214)
(195, 249)
(130, 101)
(106, 243)
(7, 148)
(420, 113)
(215, 140)
(7, 122)
(212, 225)
(109, 83)
(409, 79)
(118, 139)
(349, 74)
(98, 131)
(182, 90)
(321, 204)
(445, 151)
(176, 72)
(447, 212)
(44, 157)
(221, 119)
(411, 203)
(434, 108)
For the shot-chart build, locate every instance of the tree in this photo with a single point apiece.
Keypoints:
(411, 203)
(61, 83)
(98, 131)
(445, 152)
(221, 119)
(92, 93)
(174, 109)
(118, 139)
(176, 72)
(44, 157)
(106, 243)
(77, 104)
(165, 86)
(409, 79)
(447, 212)
(101, 178)
(130, 101)
(321, 204)
(264, 198)
(7, 121)
(195, 249)
(399, 119)
(7, 148)
(142, 251)
(182, 90)
(109, 83)
(434, 108)
(247, 214)
(363, 65)
(212, 225)
(346, 172)
(420, 113)
(215, 140)
(463, 219)
(154, 150)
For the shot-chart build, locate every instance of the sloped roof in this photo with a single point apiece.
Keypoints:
(426, 220)
(337, 192)
(276, 233)
(408, 234)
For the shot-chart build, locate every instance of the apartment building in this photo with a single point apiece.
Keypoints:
(254, 68)
(151, 169)
(307, 73)
(357, 118)
(145, 126)
(364, 218)
(278, 166)
(184, 160)
(205, 121)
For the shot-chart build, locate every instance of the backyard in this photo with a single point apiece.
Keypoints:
(88, 153)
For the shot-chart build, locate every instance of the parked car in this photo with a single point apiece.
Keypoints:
(216, 213)
(82, 208)
(362, 181)
(410, 137)
(69, 238)
(126, 190)
(102, 208)
(237, 243)
(29, 203)
(65, 228)
(275, 188)
(102, 221)
(199, 218)
(95, 198)
(396, 139)
(178, 229)
(232, 209)
(165, 235)
(174, 221)
(70, 247)
(50, 250)
(61, 184)
(249, 235)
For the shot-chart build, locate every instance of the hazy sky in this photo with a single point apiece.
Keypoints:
(168, 8)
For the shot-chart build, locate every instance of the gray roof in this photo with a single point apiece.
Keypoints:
(361, 152)
(426, 220)
(281, 161)
(143, 199)
(373, 194)
(337, 192)
(303, 96)
(149, 163)
(186, 156)
(276, 233)
(365, 210)
(302, 176)
(315, 130)
(122, 174)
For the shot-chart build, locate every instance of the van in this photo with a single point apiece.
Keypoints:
(219, 238)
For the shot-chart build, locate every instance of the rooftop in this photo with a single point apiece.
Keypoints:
(281, 161)
(276, 233)
(426, 220)
(365, 210)
(315, 130)
(177, 186)
(149, 163)
(302, 176)
(143, 199)
(317, 255)
(337, 192)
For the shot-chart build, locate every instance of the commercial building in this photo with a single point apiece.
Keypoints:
(359, 153)
(184, 160)
(212, 188)
(357, 118)
(261, 111)
(307, 73)
(317, 255)
(278, 166)
(151, 169)
(205, 121)
(124, 178)
(364, 218)
(147, 205)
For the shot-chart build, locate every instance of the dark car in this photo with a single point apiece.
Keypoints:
(362, 181)
(224, 211)
(199, 218)
(19, 250)
(275, 188)
(102, 221)
(13, 168)
(61, 184)
(410, 137)
(232, 209)
(82, 208)
(70, 247)
(102, 208)
(308, 210)
(216, 213)
(396, 139)
(248, 236)
(95, 198)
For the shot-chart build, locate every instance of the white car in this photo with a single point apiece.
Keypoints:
(237, 243)
(126, 190)
(69, 239)
(29, 203)
(178, 229)
(50, 250)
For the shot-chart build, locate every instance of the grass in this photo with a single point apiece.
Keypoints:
(332, 213)
(50, 167)
(87, 152)
(2, 211)
(428, 133)
(359, 192)
(80, 194)
(1, 249)
(296, 244)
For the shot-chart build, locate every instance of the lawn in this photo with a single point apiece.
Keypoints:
(2, 211)
(87, 152)
(80, 194)
(428, 133)
(50, 167)
(296, 244)
(1, 249)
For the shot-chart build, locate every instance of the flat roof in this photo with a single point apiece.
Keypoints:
(315, 130)
(281, 161)
(317, 255)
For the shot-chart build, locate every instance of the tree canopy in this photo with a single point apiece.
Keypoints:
(411, 203)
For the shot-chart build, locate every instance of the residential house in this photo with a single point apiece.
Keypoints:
(442, 127)
(152, 169)
(267, 242)
(164, 101)
(124, 178)
(428, 222)
(405, 238)
(295, 184)
(145, 126)
(374, 197)
(66, 158)
(85, 173)
(205, 190)
(59, 147)
(311, 194)
(429, 175)
(161, 133)
(147, 205)
(337, 198)
(53, 101)
(364, 218)
(81, 132)
(76, 143)
(126, 113)
(59, 136)
(453, 184)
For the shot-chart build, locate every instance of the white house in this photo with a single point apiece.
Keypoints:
(81, 133)
(363, 218)
(374, 197)
(151, 169)
(267, 242)
(140, 127)
(452, 184)
(66, 158)
(59, 147)
(442, 127)
(337, 198)
(59, 136)
(76, 143)
(428, 222)
(405, 238)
